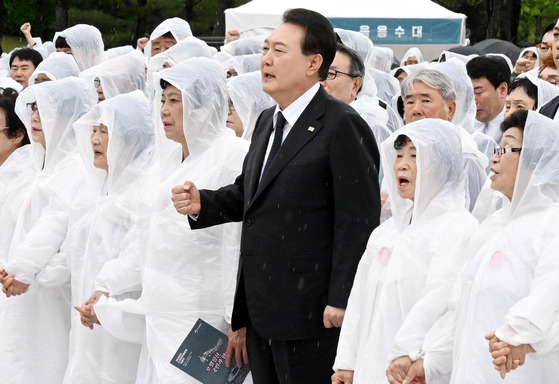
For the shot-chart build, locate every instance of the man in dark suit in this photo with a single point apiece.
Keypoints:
(307, 209)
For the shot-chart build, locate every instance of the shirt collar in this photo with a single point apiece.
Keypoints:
(295, 109)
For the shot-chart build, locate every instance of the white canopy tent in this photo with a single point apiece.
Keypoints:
(398, 24)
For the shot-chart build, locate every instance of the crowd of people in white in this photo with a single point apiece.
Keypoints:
(102, 278)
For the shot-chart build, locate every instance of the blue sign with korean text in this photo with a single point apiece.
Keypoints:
(404, 31)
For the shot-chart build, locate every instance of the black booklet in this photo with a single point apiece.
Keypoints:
(202, 356)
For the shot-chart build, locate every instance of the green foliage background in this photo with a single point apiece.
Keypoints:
(116, 19)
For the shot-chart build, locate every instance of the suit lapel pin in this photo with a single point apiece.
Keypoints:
(311, 129)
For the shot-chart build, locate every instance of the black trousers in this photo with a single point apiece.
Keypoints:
(307, 361)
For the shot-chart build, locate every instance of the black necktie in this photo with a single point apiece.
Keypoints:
(278, 135)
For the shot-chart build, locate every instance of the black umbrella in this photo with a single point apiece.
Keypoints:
(465, 50)
(499, 46)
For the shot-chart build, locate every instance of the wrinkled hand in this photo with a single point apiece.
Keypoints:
(142, 42)
(398, 369)
(236, 347)
(333, 317)
(342, 377)
(507, 357)
(11, 286)
(416, 373)
(87, 314)
(26, 29)
(232, 35)
(186, 198)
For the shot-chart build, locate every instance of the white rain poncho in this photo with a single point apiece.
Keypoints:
(185, 274)
(403, 279)
(383, 58)
(15, 175)
(185, 49)
(86, 43)
(500, 289)
(99, 231)
(57, 66)
(534, 71)
(412, 52)
(118, 51)
(249, 99)
(246, 46)
(244, 63)
(447, 55)
(122, 74)
(37, 322)
(179, 28)
(8, 82)
(546, 91)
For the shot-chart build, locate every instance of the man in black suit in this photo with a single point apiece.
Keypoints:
(307, 214)
(551, 109)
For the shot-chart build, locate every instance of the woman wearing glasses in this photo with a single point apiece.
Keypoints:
(411, 261)
(35, 319)
(506, 286)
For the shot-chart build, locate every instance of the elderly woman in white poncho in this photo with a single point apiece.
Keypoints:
(115, 140)
(37, 322)
(184, 275)
(500, 289)
(411, 260)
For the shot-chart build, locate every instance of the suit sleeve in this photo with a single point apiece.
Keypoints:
(354, 161)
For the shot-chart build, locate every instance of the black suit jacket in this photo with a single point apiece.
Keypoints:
(306, 224)
(550, 108)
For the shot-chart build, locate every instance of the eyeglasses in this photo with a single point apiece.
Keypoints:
(230, 105)
(541, 47)
(96, 82)
(31, 107)
(499, 151)
(333, 73)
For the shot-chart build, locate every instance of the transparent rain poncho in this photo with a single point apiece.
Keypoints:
(185, 49)
(244, 63)
(402, 282)
(504, 286)
(184, 274)
(8, 82)
(534, 71)
(122, 74)
(178, 27)
(246, 46)
(546, 91)
(37, 322)
(118, 51)
(101, 230)
(383, 58)
(453, 55)
(86, 43)
(57, 66)
(414, 51)
(249, 99)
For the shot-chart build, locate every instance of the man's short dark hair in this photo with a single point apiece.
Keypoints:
(515, 120)
(356, 65)
(530, 88)
(494, 68)
(319, 36)
(26, 54)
